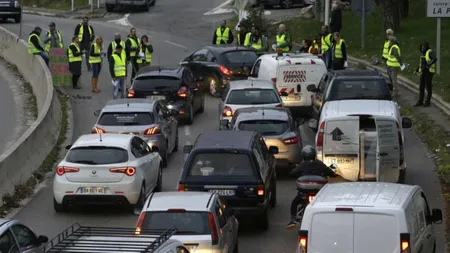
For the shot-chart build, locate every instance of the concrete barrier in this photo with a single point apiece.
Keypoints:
(26, 155)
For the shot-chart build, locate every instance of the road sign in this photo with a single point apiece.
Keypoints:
(337, 134)
(438, 8)
(368, 5)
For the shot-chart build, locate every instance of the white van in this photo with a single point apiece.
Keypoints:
(369, 217)
(364, 138)
(291, 74)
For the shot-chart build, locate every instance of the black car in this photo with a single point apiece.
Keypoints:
(285, 4)
(10, 9)
(218, 65)
(177, 86)
(348, 85)
(237, 165)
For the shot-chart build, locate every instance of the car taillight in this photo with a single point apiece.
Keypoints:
(260, 190)
(140, 222)
(274, 81)
(400, 143)
(61, 170)
(311, 197)
(303, 241)
(181, 187)
(183, 92)
(319, 143)
(292, 140)
(405, 243)
(213, 227)
(152, 131)
(97, 130)
(279, 105)
(130, 93)
(224, 70)
(227, 111)
(129, 171)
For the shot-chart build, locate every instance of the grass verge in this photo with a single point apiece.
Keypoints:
(26, 189)
(64, 5)
(30, 105)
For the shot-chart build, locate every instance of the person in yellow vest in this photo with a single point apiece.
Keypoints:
(54, 38)
(96, 55)
(34, 44)
(86, 36)
(395, 63)
(131, 49)
(283, 39)
(243, 36)
(223, 35)
(385, 52)
(426, 68)
(145, 52)
(118, 71)
(339, 52)
(74, 54)
(112, 46)
(325, 45)
(258, 41)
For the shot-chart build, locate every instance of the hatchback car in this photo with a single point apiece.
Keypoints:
(202, 219)
(149, 119)
(278, 128)
(107, 169)
(247, 93)
(15, 237)
(176, 86)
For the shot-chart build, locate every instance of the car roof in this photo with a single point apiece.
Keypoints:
(191, 201)
(224, 140)
(267, 113)
(357, 73)
(364, 194)
(173, 71)
(109, 140)
(341, 108)
(129, 105)
(220, 49)
(243, 84)
(297, 57)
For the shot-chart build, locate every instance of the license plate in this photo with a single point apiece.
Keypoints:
(291, 98)
(224, 192)
(93, 190)
(157, 97)
(343, 160)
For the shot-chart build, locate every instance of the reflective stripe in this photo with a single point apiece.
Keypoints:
(247, 39)
(120, 68)
(148, 56)
(222, 36)
(97, 50)
(47, 46)
(31, 48)
(134, 45)
(281, 40)
(428, 60)
(338, 50)
(114, 45)
(386, 49)
(80, 33)
(257, 45)
(392, 61)
(326, 43)
(73, 58)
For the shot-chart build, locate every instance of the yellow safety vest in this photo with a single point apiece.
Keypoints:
(148, 56)
(47, 46)
(247, 39)
(134, 44)
(392, 61)
(338, 50)
(80, 33)
(326, 43)
(222, 36)
(31, 48)
(97, 50)
(120, 68)
(386, 49)
(428, 60)
(73, 58)
(281, 40)
(114, 45)
(257, 45)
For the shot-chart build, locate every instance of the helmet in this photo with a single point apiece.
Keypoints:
(309, 153)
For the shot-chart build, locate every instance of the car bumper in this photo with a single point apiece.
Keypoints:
(241, 212)
(182, 108)
(6, 12)
(126, 3)
(288, 160)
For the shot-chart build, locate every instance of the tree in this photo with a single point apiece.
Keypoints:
(404, 10)
(391, 14)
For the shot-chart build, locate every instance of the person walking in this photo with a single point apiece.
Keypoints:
(339, 52)
(385, 54)
(112, 46)
(96, 55)
(223, 35)
(53, 38)
(131, 49)
(426, 68)
(145, 52)
(118, 71)
(394, 63)
(283, 39)
(34, 44)
(336, 17)
(243, 36)
(325, 48)
(74, 54)
(86, 36)
(258, 41)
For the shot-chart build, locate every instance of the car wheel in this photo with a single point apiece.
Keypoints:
(175, 149)
(236, 246)
(153, 3)
(109, 7)
(158, 187)
(147, 6)
(273, 195)
(140, 202)
(263, 220)
(17, 19)
(190, 116)
(60, 208)
(202, 107)
(286, 4)
(165, 158)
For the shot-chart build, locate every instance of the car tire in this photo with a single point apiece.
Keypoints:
(177, 140)
(236, 246)
(17, 19)
(136, 208)
(165, 158)
(60, 208)
(152, 3)
(273, 196)
(109, 7)
(202, 107)
(158, 187)
(190, 116)
(286, 4)
(263, 220)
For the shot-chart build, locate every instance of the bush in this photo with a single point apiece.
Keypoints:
(256, 17)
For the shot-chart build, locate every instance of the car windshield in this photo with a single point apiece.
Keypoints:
(185, 222)
(221, 164)
(97, 155)
(264, 127)
(359, 89)
(156, 83)
(246, 57)
(253, 97)
(126, 119)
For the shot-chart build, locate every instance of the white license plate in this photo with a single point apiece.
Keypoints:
(342, 160)
(93, 190)
(156, 97)
(224, 192)
(291, 98)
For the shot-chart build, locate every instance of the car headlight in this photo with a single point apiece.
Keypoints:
(16, 4)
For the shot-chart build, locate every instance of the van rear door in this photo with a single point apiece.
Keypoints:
(341, 145)
(375, 233)
(388, 149)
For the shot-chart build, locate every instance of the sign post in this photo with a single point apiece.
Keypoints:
(363, 9)
(438, 9)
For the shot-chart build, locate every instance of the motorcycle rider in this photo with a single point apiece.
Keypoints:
(310, 166)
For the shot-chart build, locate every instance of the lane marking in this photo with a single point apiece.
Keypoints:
(175, 44)
(186, 155)
(122, 21)
(187, 130)
(220, 9)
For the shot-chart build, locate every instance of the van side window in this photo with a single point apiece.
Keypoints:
(411, 220)
(220, 215)
(322, 83)
(420, 207)
(428, 217)
(264, 149)
(259, 159)
(256, 67)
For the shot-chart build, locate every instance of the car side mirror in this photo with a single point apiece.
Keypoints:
(174, 112)
(273, 150)
(225, 123)
(311, 88)
(186, 60)
(154, 149)
(187, 149)
(68, 147)
(97, 113)
(437, 216)
(43, 239)
(406, 122)
(313, 124)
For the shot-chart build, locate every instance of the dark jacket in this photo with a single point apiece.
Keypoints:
(111, 65)
(35, 41)
(74, 67)
(336, 21)
(128, 48)
(86, 39)
(230, 37)
(313, 168)
(241, 38)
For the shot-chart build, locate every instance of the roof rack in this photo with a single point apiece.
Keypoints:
(81, 239)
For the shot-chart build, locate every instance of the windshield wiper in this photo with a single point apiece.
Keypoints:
(84, 162)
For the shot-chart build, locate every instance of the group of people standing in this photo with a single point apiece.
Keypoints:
(135, 51)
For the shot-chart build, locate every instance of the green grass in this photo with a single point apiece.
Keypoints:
(65, 5)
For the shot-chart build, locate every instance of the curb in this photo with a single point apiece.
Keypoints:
(46, 14)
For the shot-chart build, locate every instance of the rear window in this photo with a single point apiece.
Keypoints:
(156, 83)
(367, 233)
(221, 164)
(186, 222)
(240, 57)
(359, 89)
(264, 127)
(332, 232)
(126, 119)
(97, 155)
(253, 97)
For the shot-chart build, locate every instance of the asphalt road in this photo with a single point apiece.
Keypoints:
(173, 36)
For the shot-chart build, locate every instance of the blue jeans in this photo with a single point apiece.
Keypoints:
(388, 72)
(326, 59)
(96, 68)
(45, 57)
(120, 86)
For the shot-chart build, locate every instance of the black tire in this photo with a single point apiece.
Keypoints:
(147, 7)
(17, 19)
(175, 149)
(190, 116)
(109, 7)
(140, 202)
(263, 220)
(236, 246)
(165, 158)
(158, 187)
(60, 208)
(286, 4)
(152, 3)
(273, 198)
(202, 107)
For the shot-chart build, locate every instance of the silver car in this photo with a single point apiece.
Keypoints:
(278, 128)
(15, 237)
(150, 119)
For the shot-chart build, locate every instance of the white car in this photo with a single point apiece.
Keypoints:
(107, 169)
(202, 219)
(244, 94)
